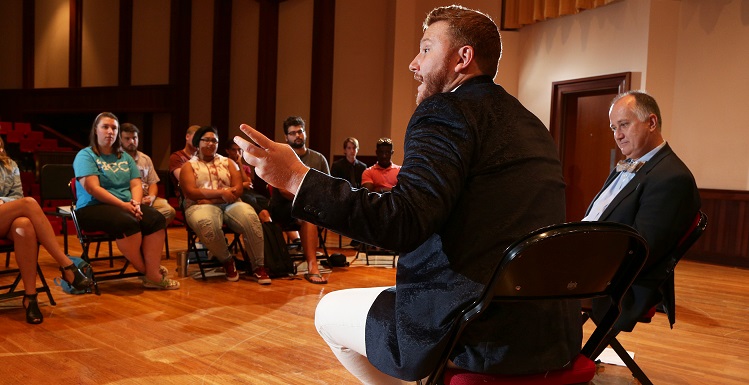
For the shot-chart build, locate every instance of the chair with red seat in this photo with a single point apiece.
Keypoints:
(666, 289)
(574, 260)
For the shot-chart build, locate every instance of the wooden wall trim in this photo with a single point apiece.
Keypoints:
(267, 68)
(726, 239)
(179, 69)
(75, 52)
(29, 37)
(221, 77)
(321, 93)
(152, 98)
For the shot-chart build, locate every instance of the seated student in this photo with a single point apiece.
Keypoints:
(652, 191)
(211, 185)
(129, 138)
(383, 175)
(24, 222)
(109, 193)
(349, 167)
(178, 158)
(280, 201)
(258, 201)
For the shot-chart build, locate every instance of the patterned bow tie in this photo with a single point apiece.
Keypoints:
(628, 165)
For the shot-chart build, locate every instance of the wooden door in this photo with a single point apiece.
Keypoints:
(580, 127)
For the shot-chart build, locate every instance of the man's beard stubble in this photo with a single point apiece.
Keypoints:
(295, 144)
(434, 83)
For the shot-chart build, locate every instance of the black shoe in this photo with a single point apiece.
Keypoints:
(33, 314)
(80, 280)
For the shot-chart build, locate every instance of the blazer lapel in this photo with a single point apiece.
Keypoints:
(634, 184)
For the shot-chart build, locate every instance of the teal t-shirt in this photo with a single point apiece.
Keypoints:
(114, 175)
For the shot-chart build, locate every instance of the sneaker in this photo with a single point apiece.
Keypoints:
(261, 276)
(165, 284)
(231, 270)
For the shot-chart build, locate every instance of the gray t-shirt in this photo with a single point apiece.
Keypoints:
(316, 160)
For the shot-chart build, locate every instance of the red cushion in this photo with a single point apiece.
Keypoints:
(581, 371)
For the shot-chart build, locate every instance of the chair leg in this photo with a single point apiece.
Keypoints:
(45, 287)
(166, 243)
(631, 364)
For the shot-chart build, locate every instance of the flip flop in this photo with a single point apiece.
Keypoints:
(309, 277)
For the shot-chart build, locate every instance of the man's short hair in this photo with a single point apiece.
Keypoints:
(352, 140)
(129, 127)
(644, 105)
(192, 129)
(384, 142)
(474, 28)
(292, 121)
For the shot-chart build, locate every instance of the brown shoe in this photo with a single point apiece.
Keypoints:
(261, 276)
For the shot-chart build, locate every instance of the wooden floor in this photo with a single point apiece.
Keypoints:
(220, 332)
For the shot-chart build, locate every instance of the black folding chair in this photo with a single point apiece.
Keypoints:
(87, 238)
(6, 246)
(574, 260)
(666, 294)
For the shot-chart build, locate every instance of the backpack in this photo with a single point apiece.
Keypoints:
(87, 271)
(278, 263)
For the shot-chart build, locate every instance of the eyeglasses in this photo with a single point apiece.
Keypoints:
(209, 140)
(384, 141)
(294, 133)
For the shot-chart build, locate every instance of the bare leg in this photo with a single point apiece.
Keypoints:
(130, 248)
(309, 245)
(153, 244)
(29, 208)
(26, 251)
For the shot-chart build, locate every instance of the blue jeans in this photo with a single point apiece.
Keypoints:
(207, 219)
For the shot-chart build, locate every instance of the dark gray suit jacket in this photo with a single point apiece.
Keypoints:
(479, 171)
(661, 202)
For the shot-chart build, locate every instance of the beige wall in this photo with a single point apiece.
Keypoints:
(151, 23)
(52, 37)
(691, 55)
(201, 62)
(711, 89)
(100, 43)
(294, 63)
(244, 46)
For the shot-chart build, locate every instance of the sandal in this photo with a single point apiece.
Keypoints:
(33, 314)
(80, 280)
(163, 271)
(165, 284)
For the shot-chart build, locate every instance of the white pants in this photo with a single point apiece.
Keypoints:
(340, 319)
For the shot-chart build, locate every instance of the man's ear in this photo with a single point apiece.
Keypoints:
(653, 122)
(465, 58)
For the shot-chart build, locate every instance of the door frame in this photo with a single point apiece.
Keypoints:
(564, 91)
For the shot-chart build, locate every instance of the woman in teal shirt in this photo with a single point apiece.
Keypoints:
(109, 192)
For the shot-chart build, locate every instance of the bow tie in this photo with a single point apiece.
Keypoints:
(628, 165)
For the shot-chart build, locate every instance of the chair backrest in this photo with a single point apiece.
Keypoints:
(687, 241)
(53, 182)
(668, 297)
(573, 260)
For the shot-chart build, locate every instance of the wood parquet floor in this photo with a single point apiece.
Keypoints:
(220, 332)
